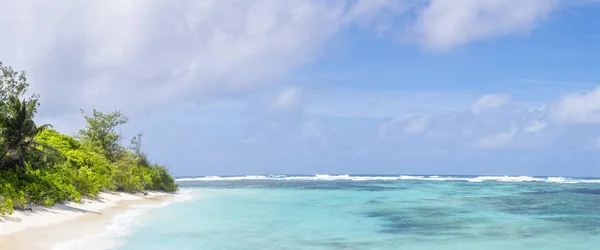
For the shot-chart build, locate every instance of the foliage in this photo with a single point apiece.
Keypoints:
(12, 83)
(91, 171)
(10, 195)
(127, 177)
(48, 187)
(100, 133)
(17, 130)
(136, 148)
(161, 179)
(41, 166)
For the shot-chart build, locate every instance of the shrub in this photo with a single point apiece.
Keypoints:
(126, 177)
(49, 187)
(10, 196)
(161, 179)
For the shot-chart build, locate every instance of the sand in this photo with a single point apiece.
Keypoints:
(45, 227)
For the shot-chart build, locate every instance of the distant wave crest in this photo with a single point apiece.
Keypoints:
(346, 177)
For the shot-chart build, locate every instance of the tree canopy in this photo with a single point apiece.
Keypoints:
(100, 133)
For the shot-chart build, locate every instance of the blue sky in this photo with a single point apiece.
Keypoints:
(307, 86)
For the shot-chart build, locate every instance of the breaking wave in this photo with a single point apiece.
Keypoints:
(346, 177)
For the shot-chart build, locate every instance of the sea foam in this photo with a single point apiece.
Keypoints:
(120, 226)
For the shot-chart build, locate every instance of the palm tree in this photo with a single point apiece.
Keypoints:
(17, 131)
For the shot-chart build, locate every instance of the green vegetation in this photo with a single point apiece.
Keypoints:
(39, 165)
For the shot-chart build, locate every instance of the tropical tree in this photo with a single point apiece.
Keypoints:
(17, 131)
(12, 83)
(100, 133)
(136, 148)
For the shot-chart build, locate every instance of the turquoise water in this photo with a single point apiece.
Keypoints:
(345, 212)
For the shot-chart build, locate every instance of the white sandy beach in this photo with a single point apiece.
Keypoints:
(44, 227)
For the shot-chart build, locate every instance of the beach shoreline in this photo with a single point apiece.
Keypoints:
(45, 227)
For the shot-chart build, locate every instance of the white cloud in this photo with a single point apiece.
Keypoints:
(535, 120)
(380, 12)
(490, 101)
(444, 24)
(534, 127)
(290, 98)
(498, 140)
(580, 108)
(118, 53)
(136, 53)
(416, 125)
(491, 122)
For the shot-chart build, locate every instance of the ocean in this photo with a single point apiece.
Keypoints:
(364, 212)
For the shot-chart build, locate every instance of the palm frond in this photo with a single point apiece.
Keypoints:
(18, 129)
(43, 127)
